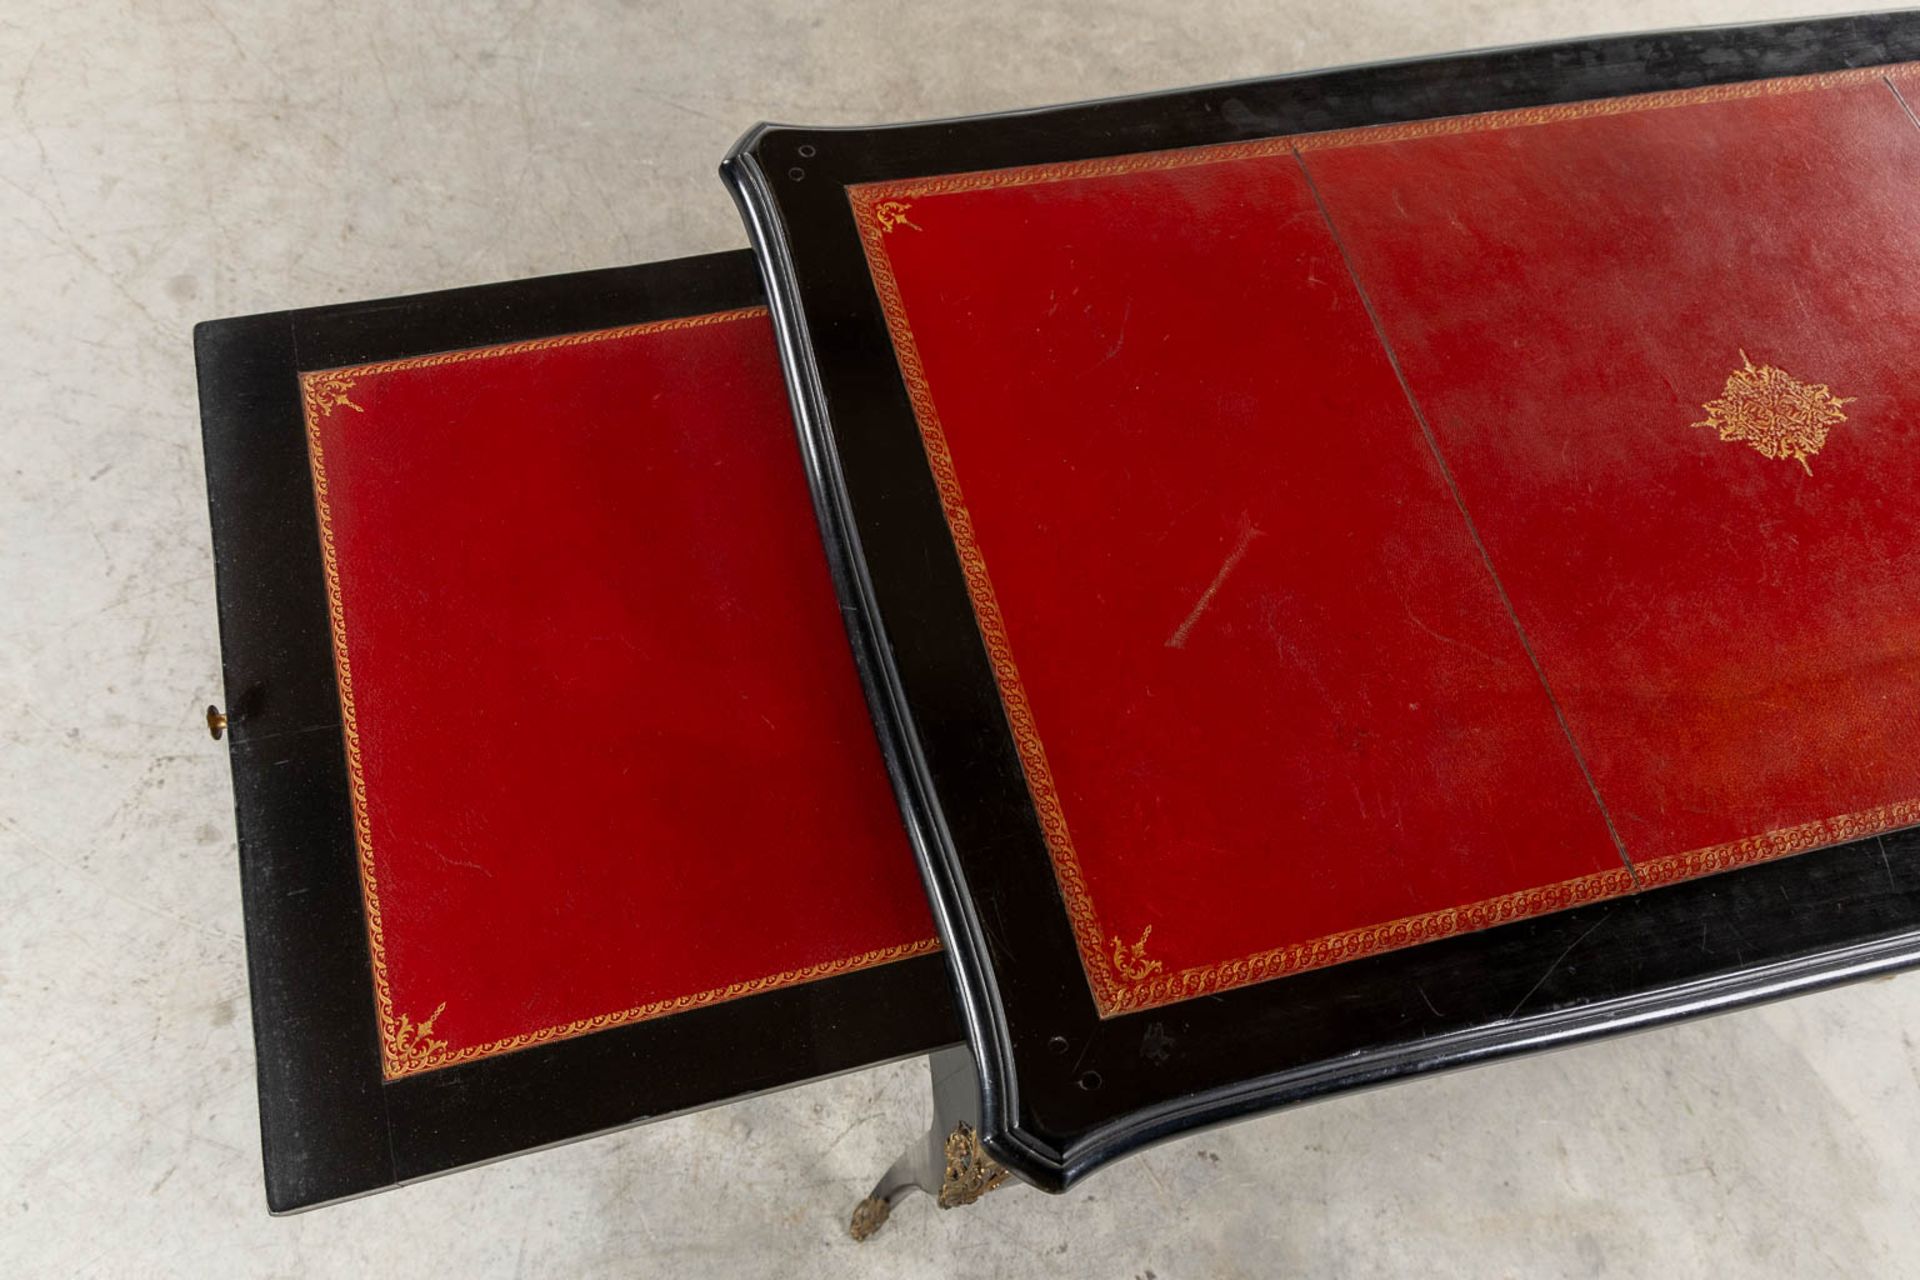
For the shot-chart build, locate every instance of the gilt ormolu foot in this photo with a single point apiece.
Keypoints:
(966, 1174)
(948, 1164)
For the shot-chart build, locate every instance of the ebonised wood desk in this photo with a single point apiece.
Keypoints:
(1351, 575)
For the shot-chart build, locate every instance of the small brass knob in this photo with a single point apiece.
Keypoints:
(216, 722)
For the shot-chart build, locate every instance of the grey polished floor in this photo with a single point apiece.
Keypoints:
(162, 163)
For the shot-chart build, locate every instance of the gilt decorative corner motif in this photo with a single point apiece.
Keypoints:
(1774, 412)
(970, 1172)
(889, 214)
(1131, 961)
(329, 391)
(414, 1044)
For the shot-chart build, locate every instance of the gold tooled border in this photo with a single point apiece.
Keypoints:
(404, 1048)
(866, 195)
(1112, 993)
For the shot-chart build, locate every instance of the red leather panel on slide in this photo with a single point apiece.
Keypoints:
(1274, 705)
(611, 757)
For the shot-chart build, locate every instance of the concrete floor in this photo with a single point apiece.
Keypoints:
(162, 163)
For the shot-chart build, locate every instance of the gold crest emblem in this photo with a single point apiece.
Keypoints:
(1774, 412)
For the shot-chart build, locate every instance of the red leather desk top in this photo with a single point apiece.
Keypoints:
(1384, 534)
(608, 753)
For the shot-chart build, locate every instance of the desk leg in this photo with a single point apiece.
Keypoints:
(948, 1163)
